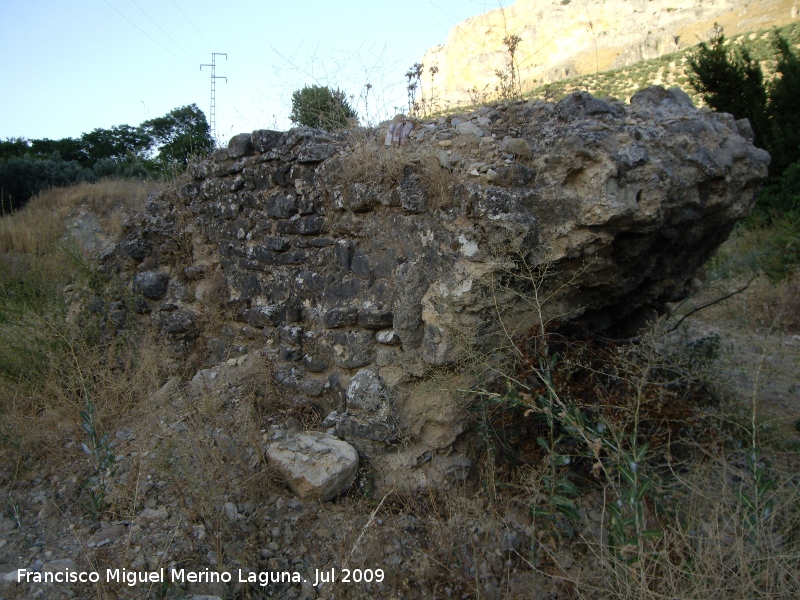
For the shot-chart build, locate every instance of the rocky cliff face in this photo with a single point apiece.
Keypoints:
(363, 274)
(570, 38)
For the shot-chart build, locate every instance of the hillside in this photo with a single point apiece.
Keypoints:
(668, 70)
(562, 39)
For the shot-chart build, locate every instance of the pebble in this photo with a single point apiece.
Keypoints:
(106, 536)
(154, 514)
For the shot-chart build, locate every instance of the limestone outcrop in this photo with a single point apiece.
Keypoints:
(564, 39)
(365, 274)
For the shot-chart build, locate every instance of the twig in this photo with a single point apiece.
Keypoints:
(707, 304)
(366, 526)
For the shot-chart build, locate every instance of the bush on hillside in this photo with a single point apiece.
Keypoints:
(22, 178)
(179, 135)
(320, 107)
(784, 108)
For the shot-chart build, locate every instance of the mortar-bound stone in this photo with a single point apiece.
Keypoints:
(408, 267)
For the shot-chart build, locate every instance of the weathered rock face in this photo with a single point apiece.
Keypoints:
(360, 270)
(565, 39)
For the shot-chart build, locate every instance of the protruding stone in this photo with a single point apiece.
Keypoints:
(388, 337)
(355, 429)
(317, 467)
(437, 347)
(368, 393)
(240, 145)
(180, 321)
(412, 195)
(513, 175)
(265, 140)
(469, 128)
(350, 349)
(261, 316)
(310, 225)
(340, 317)
(281, 206)
(375, 319)
(314, 153)
(444, 158)
(516, 146)
(278, 244)
(313, 364)
(151, 285)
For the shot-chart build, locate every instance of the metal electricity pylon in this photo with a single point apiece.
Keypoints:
(214, 77)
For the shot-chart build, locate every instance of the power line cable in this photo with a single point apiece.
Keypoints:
(148, 35)
(162, 31)
(192, 24)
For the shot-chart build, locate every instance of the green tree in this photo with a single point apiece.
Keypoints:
(118, 143)
(23, 177)
(783, 109)
(320, 107)
(14, 147)
(729, 80)
(70, 149)
(180, 134)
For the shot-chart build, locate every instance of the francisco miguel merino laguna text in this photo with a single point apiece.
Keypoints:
(263, 578)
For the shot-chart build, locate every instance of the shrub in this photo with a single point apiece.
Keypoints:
(784, 90)
(782, 196)
(21, 178)
(730, 80)
(323, 108)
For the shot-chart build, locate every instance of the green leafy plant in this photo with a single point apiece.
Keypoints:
(321, 107)
(160, 147)
(757, 502)
(559, 487)
(627, 529)
(780, 197)
(104, 460)
(592, 404)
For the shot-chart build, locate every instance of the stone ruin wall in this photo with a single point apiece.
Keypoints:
(362, 272)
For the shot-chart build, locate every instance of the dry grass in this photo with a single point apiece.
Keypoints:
(53, 360)
(371, 162)
(785, 309)
(438, 182)
(693, 483)
(37, 226)
(707, 549)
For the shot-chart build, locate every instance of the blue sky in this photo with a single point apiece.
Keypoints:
(71, 66)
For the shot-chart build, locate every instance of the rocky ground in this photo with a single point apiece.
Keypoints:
(190, 489)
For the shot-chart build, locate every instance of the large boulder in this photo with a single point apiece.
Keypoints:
(366, 273)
